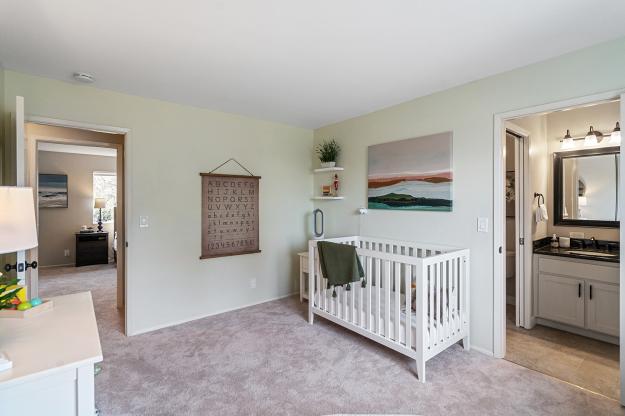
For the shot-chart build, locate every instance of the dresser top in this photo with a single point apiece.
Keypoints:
(65, 337)
(92, 233)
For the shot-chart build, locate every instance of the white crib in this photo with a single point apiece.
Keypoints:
(382, 312)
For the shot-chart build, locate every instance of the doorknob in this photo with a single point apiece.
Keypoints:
(20, 267)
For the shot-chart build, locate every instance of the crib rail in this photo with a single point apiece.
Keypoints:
(385, 310)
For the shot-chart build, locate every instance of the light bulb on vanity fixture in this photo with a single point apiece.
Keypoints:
(591, 138)
(567, 141)
(615, 136)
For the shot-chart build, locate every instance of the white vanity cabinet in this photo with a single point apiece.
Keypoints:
(602, 308)
(582, 294)
(561, 299)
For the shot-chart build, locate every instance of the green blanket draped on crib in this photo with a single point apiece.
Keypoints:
(340, 264)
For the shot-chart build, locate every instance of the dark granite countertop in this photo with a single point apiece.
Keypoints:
(611, 256)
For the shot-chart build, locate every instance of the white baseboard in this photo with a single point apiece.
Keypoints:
(482, 350)
(56, 265)
(579, 331)
(195, 318)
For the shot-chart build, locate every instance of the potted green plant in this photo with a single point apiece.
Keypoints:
(328, 152)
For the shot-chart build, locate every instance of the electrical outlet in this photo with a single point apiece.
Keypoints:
(253, 283)
(66, 252)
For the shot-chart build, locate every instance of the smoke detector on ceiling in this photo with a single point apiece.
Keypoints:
(83, 77)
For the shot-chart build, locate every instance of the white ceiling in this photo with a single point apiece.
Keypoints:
(305, 63)
(81, 150)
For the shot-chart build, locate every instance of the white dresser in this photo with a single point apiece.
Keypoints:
(53, 356)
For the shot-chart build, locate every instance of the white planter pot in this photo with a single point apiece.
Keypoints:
(328, 164)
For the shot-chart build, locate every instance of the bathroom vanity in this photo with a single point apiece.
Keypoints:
(577, 290)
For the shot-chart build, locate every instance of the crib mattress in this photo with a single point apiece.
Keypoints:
(357, 315)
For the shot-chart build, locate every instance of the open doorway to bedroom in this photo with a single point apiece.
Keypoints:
(80, 213)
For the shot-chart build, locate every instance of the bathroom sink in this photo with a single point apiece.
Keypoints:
(592, 253)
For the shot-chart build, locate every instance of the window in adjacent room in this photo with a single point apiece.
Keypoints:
(105, 186)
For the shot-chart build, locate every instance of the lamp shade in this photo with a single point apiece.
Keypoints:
(18, 227)
(99, 203)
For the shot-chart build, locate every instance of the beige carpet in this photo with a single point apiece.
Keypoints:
(267, 360)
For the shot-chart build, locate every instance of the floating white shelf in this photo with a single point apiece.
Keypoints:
(334, 169)
(328, 198)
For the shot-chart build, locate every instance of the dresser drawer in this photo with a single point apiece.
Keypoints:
(91, 249)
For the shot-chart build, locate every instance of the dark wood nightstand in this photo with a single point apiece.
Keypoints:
(92, 248)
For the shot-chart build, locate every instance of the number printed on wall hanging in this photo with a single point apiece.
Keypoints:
(229, 215)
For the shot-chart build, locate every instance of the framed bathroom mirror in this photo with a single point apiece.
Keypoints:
(586, 187)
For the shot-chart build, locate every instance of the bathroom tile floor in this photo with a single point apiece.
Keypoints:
(585, 362)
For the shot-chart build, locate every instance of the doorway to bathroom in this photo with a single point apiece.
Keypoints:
(562, 244)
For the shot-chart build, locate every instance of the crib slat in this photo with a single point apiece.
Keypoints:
(439, 306)
(461, 290)
(360, 296)
(431, 303)
(378, 293)
(445, 299)
(397, 301)
(368, 294)
(408, 296)
(318, 273)
(454, 310)
(345, 304)
(387, 299)
(352, 312)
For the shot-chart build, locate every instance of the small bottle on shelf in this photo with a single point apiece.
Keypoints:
(554, 241)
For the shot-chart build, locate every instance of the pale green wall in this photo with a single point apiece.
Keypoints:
(168, 147)
(467, 111)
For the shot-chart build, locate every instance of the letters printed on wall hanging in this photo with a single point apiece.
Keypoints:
(229, 215)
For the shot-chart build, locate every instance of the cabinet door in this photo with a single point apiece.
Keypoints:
(561, 299)
(602, 309)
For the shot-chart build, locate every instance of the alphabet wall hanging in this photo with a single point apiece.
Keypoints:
(230, 222)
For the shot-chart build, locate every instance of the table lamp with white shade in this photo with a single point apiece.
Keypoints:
(18, 229)
(100, 203)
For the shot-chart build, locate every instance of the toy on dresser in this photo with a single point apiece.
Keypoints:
(13, 302)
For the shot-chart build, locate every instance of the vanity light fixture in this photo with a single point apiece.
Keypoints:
(615, 136)
(567, 141)
(591, 138)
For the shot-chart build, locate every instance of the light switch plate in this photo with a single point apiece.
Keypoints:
(144, 221)
(482, 224)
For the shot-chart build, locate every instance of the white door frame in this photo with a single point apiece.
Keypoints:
(522, 226)
(621, 204)
(127, 180)
(499, 295)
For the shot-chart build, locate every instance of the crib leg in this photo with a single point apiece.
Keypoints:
(465, 343)
(311, 315)
(421, 370)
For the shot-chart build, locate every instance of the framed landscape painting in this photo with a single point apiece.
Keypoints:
(52, 191)
(412, 174)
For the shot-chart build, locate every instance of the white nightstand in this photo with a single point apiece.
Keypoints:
(303, 275)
